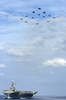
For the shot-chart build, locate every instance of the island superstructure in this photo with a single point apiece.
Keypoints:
(14, 94)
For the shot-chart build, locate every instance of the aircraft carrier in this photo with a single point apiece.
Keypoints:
(13, 94)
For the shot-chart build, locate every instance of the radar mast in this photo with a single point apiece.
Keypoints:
(12, 88)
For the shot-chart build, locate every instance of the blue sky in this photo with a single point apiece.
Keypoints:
(34, 56)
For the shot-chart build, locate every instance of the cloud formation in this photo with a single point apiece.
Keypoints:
(8, 48)
(57, 62)
(60, 46)
(7, 60)
(18, 52)
(1, 74)
(2, 65)
(51, 72)
(42, 81)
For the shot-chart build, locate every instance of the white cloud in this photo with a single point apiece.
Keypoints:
(51, 72)
(18, 52)
(1, 74)
(44, 30)
(2, 13)
(20, 59)
(60, 46)
(6, 60)
(57, 62)
(37, 42)
(32, 77)
(1, 48)
(38, 36)
(42, 81)
(2, 65)
(29, 77)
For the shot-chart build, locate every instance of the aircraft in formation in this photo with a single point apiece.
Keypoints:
(38, 15)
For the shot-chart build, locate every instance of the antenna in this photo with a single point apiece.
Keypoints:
(12, 83)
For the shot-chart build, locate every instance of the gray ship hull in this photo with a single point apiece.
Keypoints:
(25, 95)
(19, 94)
(14, 95)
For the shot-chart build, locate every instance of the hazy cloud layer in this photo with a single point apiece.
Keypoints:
(35, 35)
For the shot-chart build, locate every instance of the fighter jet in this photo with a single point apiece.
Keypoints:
(25, 21)
(33, 12)
(54, 17)
(44, 12)
(43, 16)
(26, 16)
(49, 15)
(32, 17)
(47, 20)
(38, 14)
(39, 8)
(21, 18)
(37, 23)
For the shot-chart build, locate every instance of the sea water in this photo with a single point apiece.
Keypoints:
(2, 97)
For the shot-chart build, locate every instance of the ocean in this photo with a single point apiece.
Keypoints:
(2, 97)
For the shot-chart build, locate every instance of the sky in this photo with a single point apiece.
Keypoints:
(32, 55)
